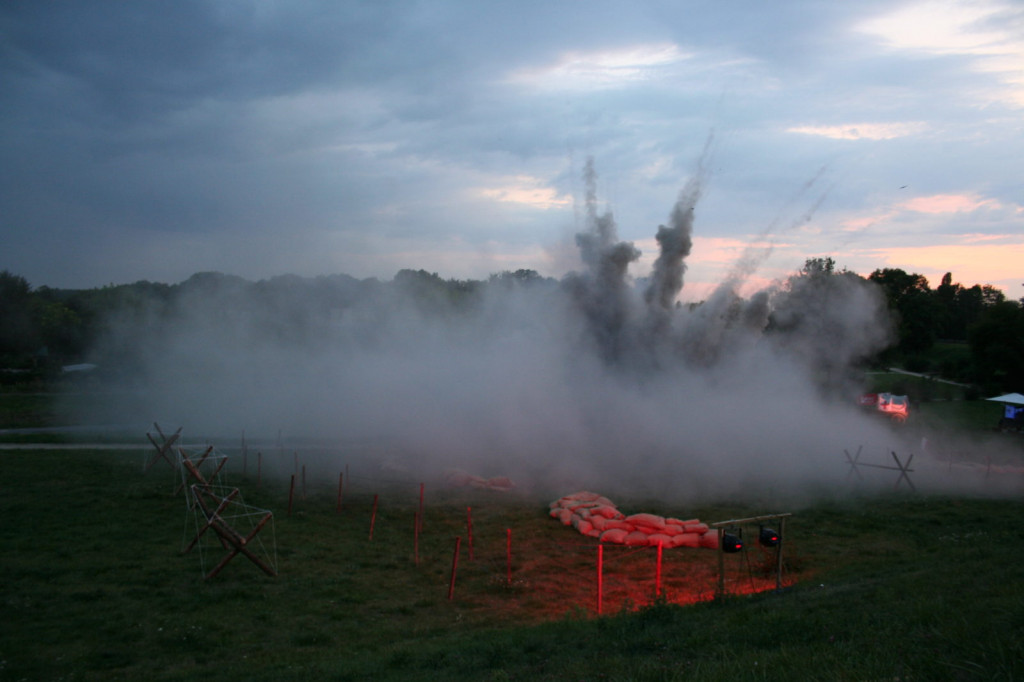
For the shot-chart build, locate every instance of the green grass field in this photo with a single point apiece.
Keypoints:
(898, 586)
(902, 586)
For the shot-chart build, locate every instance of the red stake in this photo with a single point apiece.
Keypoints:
(469, 530)
(455, 564)
(600, 577)
(373, 516)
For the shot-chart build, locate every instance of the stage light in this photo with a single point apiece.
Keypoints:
(731, 543)
(768, 537)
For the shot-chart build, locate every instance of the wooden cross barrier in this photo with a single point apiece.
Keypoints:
(194, 469)
(213, 506)
(903, 468)
(163, 449)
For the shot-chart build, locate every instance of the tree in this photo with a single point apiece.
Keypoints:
(919, 313)
(19, 336)
(997, 347)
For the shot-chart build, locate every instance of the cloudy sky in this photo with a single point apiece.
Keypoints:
(153, 140)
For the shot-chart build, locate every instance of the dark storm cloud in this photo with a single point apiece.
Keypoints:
(241, 126)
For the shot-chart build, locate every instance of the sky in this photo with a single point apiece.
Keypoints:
(151, 141)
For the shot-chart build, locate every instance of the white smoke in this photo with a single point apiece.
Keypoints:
(586, 382)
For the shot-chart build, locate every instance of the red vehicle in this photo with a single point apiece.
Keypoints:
(893, 406)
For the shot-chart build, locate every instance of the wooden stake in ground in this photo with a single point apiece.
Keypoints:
(373, 516)
(455, 564)
(600, 577)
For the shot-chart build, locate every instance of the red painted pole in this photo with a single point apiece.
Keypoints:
(508, 557)
(291, 495)
(469, 530)
(455, 564)
(600, 577)
(373, 516)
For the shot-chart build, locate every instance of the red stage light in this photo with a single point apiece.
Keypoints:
(768, 537)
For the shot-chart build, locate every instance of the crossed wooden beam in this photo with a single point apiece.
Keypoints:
(904, 469)
(194, 469)
(163, 450)
(212, 507)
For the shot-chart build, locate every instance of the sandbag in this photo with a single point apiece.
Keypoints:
(655, 539)
(649, 520)
(691, 540)
(619, 523)
(635, 539)
(696, 528)
(709, 540)
(583, 526)
(607, 511)
(614, 535)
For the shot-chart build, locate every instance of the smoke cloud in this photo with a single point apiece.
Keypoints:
(594, 381)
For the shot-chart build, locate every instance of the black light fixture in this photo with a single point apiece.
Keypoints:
(768, 537)
(731, 543)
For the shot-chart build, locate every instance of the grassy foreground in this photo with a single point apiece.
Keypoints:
(96, 587)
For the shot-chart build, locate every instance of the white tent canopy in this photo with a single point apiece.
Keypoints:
(1010, 398)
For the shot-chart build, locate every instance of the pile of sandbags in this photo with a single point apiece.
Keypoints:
(597, 517)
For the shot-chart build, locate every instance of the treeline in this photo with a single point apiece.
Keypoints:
(44, 329)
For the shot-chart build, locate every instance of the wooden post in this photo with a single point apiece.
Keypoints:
(600, 577)
(373, 516)
(455, 564)
(469, 530)
(291, 495)
(508, 557)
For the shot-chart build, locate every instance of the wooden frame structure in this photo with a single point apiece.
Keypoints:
(163, 449)
(903, 468)
(212, 506)
(721, 526)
